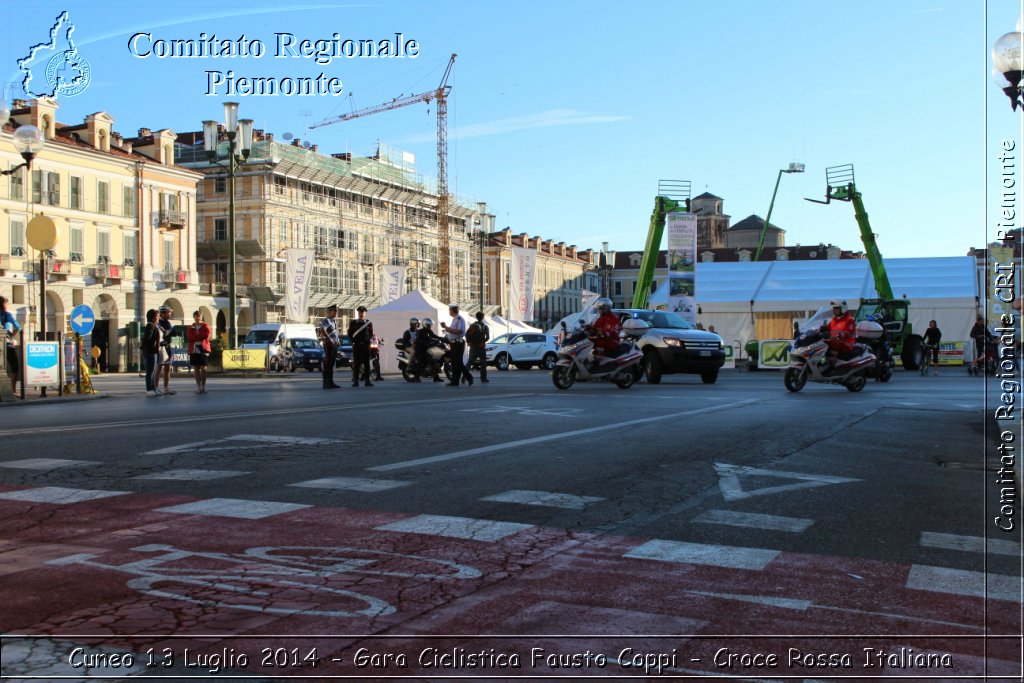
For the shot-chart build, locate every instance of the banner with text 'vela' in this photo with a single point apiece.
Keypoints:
(524, 271)
(298, 271)
(392, 283)
(682, 259)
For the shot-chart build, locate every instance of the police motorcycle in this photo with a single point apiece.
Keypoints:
(578, 360)
(871, 334)
(437, 359)
(809, 360)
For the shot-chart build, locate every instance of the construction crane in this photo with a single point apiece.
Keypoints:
(441, 95)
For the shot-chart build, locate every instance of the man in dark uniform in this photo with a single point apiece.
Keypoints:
(477, 337)
(360, 331)
(331, 341)
(424, 338)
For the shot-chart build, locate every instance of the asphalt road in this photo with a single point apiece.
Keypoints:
(681, 528)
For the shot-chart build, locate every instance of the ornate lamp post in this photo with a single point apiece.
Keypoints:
(1007, 60)
(239, 134)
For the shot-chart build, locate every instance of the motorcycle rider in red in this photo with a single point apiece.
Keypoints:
(842, 331)
(606, 328)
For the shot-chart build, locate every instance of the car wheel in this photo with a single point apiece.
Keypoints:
(549, 360)
(709, 376)
(652, 367)
(274, 365)
(501, 361)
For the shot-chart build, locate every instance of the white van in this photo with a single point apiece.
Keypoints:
(269, 336)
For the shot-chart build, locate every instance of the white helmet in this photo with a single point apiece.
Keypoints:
(603, 305)
(414, 321)
(428, 323)
(838, 303)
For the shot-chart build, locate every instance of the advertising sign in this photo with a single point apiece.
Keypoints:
(392, 283)
(298, 271)
(682, 260)
(42, 364)
(773, 353)
(244, 359)
(524, 269)
(731, 351)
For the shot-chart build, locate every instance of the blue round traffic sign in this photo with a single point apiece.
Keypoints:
(82, 319)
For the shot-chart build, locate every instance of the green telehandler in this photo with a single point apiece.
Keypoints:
(890, 311)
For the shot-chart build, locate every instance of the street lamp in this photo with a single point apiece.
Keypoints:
(1007, 59)
(482, 234)
(239, 134)
(28, 140)
(793, 168)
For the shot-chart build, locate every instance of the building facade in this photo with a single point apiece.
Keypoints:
(563, 273)
(126, 218)
(358, 214)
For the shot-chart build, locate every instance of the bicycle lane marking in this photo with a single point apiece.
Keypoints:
(333, 571)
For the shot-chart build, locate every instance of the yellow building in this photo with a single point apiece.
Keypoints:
(126, 217)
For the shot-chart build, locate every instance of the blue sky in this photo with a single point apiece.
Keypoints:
(564, 115)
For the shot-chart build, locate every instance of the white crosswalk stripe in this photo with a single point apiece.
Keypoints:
(58, 495)
(754, 521)
(700, 553)
(963, 582)
(456, 527)
(970, 544)
(190, 475)
(544, 499)
(46, 463)
(352, 484)
(233, 507)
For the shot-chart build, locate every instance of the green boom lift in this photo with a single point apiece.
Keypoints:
(673, 195)
(893, 312)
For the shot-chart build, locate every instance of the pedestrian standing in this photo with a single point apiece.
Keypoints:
(980, 334)
(360, 331)
(11, 327)
(329, 337)
(166, 330)
(456, 334)
(198, 334)
(477, 337)
(932, 337)
(150, 346)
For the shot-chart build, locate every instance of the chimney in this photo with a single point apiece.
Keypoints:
(145, 132)
(269, 137)
(296, 142)
(314, 148)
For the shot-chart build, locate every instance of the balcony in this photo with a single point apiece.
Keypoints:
(59, 269)
(181, 279)
(107, 271)
(205, 288)
(171, 220)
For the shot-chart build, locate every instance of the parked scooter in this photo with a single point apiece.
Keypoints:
(577, 361)
(809, 361)
(437, 361)
(871, 334)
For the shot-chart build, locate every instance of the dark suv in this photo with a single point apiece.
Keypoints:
(674, 345)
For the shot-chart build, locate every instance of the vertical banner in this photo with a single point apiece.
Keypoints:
(392, 283)
(524, 269)
(298, 271)
(682, 259)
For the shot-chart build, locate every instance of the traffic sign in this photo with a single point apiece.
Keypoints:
(82, 319)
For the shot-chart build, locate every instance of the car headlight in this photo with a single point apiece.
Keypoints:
(669, 341)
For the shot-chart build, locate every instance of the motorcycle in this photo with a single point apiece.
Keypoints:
(577, 361)
(375, 359)
(871, 334)
(809, 361)
(437, 361)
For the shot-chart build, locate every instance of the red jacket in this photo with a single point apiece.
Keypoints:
(842, 332)
(198, 338)
(607, 329)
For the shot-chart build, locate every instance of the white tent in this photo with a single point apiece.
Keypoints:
(391, 320)
(500, 325)
(731, 295)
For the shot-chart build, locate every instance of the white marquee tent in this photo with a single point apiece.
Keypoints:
(391, 320)
(731, 295)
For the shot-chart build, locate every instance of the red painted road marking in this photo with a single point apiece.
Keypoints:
(119, 566)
